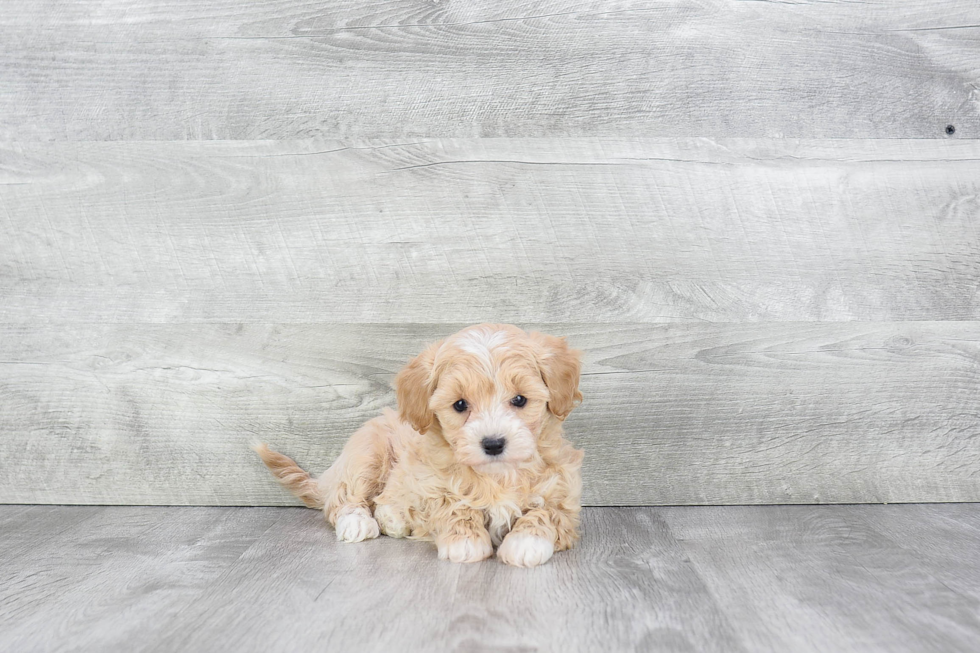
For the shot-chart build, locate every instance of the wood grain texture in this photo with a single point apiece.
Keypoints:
(323, 593)
(683, 579)
(122, 569)
(549, 230)
(809, 579)
(223, 69)
(24, 526)
(628, 586)
(673, 414)
(946, 540)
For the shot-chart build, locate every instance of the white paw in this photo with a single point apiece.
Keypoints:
(391, 521)
(465, 549)
(356, 527)
(523, 550)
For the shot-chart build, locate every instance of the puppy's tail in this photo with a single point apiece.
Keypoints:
(292, 477)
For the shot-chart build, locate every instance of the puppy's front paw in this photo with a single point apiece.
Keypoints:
(392, 521)
(525, 550)
(465, 549)
(356, 527)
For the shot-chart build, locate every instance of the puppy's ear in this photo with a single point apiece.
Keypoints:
(560, 368)
(414, 385)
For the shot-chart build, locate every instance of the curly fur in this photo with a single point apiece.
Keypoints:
(423, 473)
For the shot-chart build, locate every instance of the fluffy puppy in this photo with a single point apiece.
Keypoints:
(473, 459)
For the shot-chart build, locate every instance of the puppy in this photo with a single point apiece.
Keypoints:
(473, 459)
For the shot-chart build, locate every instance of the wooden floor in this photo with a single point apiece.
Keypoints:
(750, 578)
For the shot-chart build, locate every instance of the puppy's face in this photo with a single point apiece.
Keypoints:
(490, 400)
(490, 389)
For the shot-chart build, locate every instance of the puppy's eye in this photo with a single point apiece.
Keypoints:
(518, 401)
(460, 405)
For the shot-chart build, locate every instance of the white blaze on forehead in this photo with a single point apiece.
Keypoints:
(494, 421)
(481, 343)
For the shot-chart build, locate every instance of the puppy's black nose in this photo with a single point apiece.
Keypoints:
(494, 446)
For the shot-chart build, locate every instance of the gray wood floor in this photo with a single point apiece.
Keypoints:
(733, 578)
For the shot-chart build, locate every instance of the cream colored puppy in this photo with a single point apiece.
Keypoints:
(473, 459)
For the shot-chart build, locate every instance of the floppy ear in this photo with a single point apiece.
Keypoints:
(560, 369)
(414, 385)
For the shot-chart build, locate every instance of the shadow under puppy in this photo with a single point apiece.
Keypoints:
(474, 458)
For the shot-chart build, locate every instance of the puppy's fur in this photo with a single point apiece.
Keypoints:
(424, 473)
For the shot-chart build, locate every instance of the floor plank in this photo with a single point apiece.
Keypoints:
(945, 540)
(760, 578)
(223, 69)
(383, 595)
(109, 576)
(806, 578)
(628, 586)
(24, 529)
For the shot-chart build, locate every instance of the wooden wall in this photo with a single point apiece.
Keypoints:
(224, 221)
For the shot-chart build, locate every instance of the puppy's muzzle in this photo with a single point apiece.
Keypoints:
(493, 446)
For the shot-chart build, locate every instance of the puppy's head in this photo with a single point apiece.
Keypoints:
(489, 390)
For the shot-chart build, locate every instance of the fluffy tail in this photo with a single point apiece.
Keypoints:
(292, 477)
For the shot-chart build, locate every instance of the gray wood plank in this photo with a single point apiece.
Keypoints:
(802, 578)
(98, 584)
(22, 529)
(296, 579)
(944, 538)
(510, 230)
(223, 69)
(10, 513)
(673, 414)
(820, 578)
(379, 595)
(627, 586)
